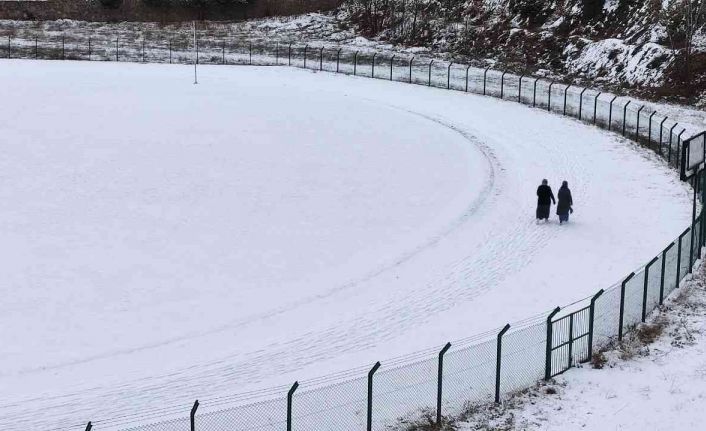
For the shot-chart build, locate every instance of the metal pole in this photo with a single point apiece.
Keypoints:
(430, 63)
(289, 55)
(679, 243)
(649, 136)
(595, 107)
(661, 281)
(89, 48)
(143, 50)
(410, 69)
(549, 344)
(277, 53)
(223, 52)
(338, 59)
(571, 342)
(534, 91)
(250, 54)
(661, 135)
(89, 426)
(63, 47)
(371, 373)
(566, 92)
(306, 48)
(693, 222)
(36, 49)
(549, 103)
(170, 51)
(448, 76)
(637, 128)
(485, 80)
(192, 416)
(391, 63)
(622, 305)
(372, 74)
(646, 285)
(440, 383)
(467, 69)
(290, 395)
(355, 63)
(498, 362)
(592, 318)
(669, 159)
(321, 59)
(610, 114)
(581, 103)
(117, 48)
(519, 89)
(625, 113)
(679, 145)
(502, 84)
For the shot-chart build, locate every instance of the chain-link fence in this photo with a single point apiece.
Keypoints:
(425, 387)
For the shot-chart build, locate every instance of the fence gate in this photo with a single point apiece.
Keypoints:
(570, 341)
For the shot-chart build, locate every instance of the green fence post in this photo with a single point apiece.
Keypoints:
(644, 292)
(192, 416)
(591, 318)
(290, 395)
(548, 353)
(693, 223)
(625, 114)
(89, 426)
(679, 256)
(622, 304)
(371, 373)
(498, 362)
(440, 383)
(661, 281)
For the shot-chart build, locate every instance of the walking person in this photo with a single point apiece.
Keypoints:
(545, 198)
(564, 207)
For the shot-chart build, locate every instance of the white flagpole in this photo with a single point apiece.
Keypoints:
(196, 54)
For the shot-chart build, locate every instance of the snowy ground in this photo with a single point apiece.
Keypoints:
(644, 385)
(165, 241)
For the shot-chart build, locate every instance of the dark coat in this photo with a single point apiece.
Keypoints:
(565, 201)
(545, 196)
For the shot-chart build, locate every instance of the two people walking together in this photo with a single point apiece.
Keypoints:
(545, 198)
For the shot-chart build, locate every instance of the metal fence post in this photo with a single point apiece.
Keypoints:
(321, 59)
(143, 50)
(534, 93)
(289, 55)
(355, 63)
(566, 93)
(392, 60)
(290, 395)
(591, 321)
(679, 243)
(223, 52)
(306, 48)
(637, 128)
(595, 107)
(693, 222)
(192, 416)
(625, 113)
(581, 103)
(430, 63)
(549, 102)
(89, 426)
(610, 113)
(622, 304)
(371, 373)
(338, 59)
(647, 282)
(519, 89)
(448, 76)
(372, 74)
(679, 145)
(498, 362)
(9, 46)
(548, 357)
(440, 383)
(485, 80)
(249, 54)
(36, 47)
(117, 48)
(669, 158)
(410, 69)
(661, 281)
(649, 135)
(63, 47)
(661, 134)
(502, 84)
(467, 69)
(276, 53)
(170, 51)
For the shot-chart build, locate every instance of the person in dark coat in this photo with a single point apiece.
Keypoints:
(564, 207)
(545, 198)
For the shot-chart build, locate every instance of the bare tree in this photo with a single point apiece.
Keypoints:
(684, 20)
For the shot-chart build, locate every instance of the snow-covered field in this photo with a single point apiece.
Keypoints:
(164, 241)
